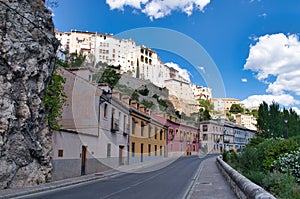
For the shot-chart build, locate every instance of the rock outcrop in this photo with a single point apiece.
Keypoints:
(27, 60)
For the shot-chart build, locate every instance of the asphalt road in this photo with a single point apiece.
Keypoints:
(169, 182)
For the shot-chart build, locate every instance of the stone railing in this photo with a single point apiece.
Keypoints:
(242, 186)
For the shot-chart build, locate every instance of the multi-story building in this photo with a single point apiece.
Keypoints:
(182, 137)
(94, 132)
(218, 135)
(212, 136)
(183, 97)
(248, 121)
(147, 136)
(242, 136)
(201, 92)
(224, 104)
(228, 135)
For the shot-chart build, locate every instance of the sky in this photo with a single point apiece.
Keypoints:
(253, 45)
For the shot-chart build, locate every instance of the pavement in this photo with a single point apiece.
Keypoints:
(208, 182)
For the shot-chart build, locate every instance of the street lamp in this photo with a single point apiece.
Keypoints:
(286, 126)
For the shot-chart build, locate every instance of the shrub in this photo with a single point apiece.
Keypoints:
(289, 163)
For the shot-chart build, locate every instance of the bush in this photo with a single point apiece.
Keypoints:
(289, 163)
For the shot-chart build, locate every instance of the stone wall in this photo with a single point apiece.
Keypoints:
(27, 60)
(242, 187)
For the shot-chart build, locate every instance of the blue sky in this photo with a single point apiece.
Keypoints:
(254, 43)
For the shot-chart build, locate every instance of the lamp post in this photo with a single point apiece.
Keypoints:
(286, 126)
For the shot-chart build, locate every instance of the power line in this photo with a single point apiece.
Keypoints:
(32, 23)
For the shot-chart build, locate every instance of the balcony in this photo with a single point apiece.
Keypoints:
(126, 130)
(114, 125)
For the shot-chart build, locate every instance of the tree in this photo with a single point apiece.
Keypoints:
(236, 108)
(206, 104)
(109, 76)
(270, 121)
(76, 60)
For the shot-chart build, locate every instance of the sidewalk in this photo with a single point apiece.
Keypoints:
(210, 183)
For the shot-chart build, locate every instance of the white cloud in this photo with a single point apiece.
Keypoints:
(201, 68)
(244, 80)
(276, 56)
(160, 8)
(182, 72)
(264, 15)
(256, 100)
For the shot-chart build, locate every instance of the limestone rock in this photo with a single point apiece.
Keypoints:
(27, 60)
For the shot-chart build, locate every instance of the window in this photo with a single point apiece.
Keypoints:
(149, 149)
(205, 137)
(142, 130)
(105, 110)
(160, 134)
(149, 131)
(132, 149)
(160, 150)
(133, 126)
(204, 128)
(124, 124)
(60, 153)
(108, 150)
(155, 135)
(155, 149)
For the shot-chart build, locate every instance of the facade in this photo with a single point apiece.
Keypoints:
(201, 92)
(182, 137)
(147, 136)
(212, 136)
(218, 135)
(224, 104)
(229, 135)
(93, 135)
(248, 121)
(242, 137)
(182, 96)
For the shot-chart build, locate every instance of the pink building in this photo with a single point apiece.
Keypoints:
(182, 137)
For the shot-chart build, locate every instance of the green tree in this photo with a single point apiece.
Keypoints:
(147, 103)
(109, 76)
(55, 98)
(135, 96)
(75, 59)
(206, 104)
(236, 108)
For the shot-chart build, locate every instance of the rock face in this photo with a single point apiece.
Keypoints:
(27, 60)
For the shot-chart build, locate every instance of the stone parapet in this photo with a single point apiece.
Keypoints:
(243, 187)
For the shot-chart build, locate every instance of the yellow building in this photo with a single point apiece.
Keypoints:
(147, 140)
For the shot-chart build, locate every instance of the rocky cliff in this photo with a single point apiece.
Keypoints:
(27, 59)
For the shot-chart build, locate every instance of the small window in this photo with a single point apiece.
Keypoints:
(60, 153)
(155, 150)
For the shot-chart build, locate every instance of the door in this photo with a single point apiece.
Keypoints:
(83, 160)
(121, 155)
(142, 152)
